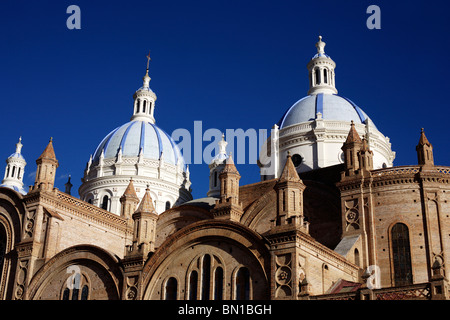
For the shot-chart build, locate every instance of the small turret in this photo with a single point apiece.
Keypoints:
(351, 149)
(46, 169)
(424, 151)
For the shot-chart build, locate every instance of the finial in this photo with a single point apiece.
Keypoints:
(51, 139)
(148, 59)
(320, 45)
(19, 145)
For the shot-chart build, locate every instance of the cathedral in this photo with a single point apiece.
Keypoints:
(331, 218)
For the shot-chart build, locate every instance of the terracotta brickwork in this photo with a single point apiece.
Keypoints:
(308, 236)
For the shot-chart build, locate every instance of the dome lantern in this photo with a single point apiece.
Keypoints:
(321, 71)
(144, 99)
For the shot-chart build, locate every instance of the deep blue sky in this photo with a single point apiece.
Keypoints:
(231, 64)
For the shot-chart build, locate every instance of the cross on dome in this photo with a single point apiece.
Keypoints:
(320, 45)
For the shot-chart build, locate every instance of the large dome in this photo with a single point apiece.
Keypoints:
(331, 107)
(139, 151)
(137, 137)
(314, 128)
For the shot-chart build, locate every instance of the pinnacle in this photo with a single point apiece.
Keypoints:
(49, 152)
(289, 172)
(146, 205)
(353, 136)
(130, 191)
(423, 139)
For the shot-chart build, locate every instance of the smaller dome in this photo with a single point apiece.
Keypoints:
(16, 155)
(331, 106)
(15, 188)
(135, 137)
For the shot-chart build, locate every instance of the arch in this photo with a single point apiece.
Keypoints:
(209, 233)
(53, 277)
(138, 105)
(242, 284)
(193, 285)
(401, 254)
(325, 76)
(356, 257)
(105, 200)
(12, 213)
(317, 75)
(168, 205)
(218, 283)
(171, 289)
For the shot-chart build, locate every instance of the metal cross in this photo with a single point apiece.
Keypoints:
(148, 59)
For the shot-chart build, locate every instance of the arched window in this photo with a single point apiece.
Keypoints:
(2, 249)
(167, 205)
(325, 76)
(7, 172)
(171, 289)
(150, 107)
(356, 255)
(206, 277)
(72, 290)
(18, 173)
(401, 255)
(105, 202)
(85, 293)
(317, 71)
(215, 179)
(145, 104)
(243, 284)
(138, 106)
(218, 284)
(13, 171)
(193, 285)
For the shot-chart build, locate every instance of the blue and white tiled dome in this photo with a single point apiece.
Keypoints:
(331, 106)
(134, 136)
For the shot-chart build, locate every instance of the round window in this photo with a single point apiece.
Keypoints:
(297, 160)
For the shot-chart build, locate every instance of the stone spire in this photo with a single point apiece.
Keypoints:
(145, 217)
(321, 71)
(144, 99)
(424, 151)
(228, 205)
(289, 188)
(68, 186)
(46, 169)
(14, 171)
(351, 149)
(129, 201)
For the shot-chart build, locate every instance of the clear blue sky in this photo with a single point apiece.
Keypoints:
(231, 64)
